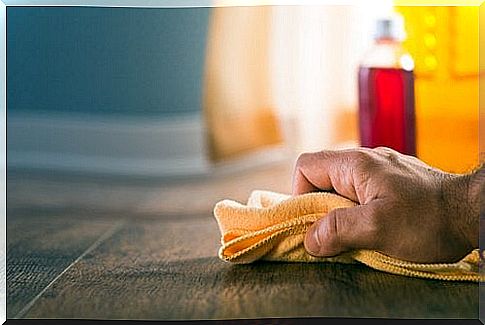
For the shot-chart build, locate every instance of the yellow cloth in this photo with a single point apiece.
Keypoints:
(272, 226)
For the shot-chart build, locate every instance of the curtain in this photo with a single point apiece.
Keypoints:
(238, 107)
(284, 74)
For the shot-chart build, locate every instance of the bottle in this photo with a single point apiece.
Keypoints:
(386, 90)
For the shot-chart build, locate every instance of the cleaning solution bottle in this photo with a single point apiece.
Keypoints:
(386, 90)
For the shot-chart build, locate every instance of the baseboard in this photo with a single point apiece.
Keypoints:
(170, 147)
(161, 147)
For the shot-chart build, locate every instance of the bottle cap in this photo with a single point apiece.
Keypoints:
(390, 27)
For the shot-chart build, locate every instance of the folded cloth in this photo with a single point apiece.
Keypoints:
(272, 227)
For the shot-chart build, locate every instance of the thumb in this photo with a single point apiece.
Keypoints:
(341, 230)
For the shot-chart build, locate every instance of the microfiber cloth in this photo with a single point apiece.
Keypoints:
(272, 227)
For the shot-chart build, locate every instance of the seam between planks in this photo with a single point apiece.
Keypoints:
(110, 232)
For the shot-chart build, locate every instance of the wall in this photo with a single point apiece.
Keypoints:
(110, 90)
(105, 60)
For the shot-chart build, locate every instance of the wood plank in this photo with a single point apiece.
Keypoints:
(40, 247)
(159, 269)
(163, 263)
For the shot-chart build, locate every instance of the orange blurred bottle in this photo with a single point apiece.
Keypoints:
(386, 91)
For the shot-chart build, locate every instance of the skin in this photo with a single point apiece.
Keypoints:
(407, 209)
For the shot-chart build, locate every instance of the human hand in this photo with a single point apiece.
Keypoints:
(406, 210)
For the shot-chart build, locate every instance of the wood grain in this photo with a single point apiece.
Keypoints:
(40, 248)
(162, 264)
(168, 270)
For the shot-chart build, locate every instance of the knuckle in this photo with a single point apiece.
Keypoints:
(350, 230)
(326, 235)
(373, 229)
(338, 224)
(373, 224)
(305, 157)
(362, 154)
(325, 153)
(390, 155)
(384, 149)
(364, 159)
(302, 159)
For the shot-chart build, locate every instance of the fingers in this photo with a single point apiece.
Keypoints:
(326, 170)
(342, 230)
(301, 184)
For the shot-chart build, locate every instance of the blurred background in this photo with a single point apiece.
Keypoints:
(187, 92)
(133, 122)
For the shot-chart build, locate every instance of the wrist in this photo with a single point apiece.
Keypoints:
(461, 198)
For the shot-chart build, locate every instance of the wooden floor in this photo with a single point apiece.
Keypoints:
(123, 248)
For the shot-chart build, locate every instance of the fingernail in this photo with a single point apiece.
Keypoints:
(312, 241)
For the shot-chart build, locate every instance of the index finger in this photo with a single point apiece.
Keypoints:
(325, 170)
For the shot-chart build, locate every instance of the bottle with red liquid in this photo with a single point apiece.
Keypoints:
(386, 91)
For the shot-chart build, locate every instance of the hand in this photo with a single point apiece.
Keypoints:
(406, 210)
